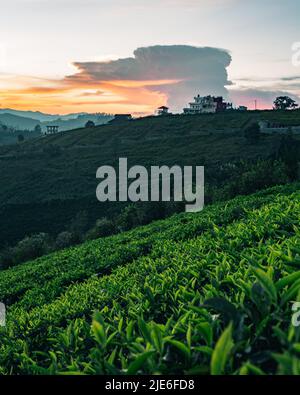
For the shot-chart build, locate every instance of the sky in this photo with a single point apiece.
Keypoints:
(62, 56)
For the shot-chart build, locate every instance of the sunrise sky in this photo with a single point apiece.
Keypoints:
(62, 56)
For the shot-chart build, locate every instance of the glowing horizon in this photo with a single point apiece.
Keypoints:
(79, 56)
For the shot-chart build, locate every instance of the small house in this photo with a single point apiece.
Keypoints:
(163, 110)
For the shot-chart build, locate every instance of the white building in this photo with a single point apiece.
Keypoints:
(201, 105)
(206, 105)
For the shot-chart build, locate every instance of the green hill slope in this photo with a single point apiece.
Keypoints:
(198, 293)
(45, 182)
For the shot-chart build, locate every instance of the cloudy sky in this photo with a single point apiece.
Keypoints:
(64, 56)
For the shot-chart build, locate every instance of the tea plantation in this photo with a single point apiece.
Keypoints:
(206, 293)
(46, 182)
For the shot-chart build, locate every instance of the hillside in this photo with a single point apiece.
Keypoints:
(21, 120)
(45, 182)
(18, 122)
(39, 116)
(197, 293)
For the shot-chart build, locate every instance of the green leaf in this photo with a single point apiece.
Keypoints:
(145, 332)
(189, 336)
(222, 352)
(136, 365)
(227, 309)
(287, 280)
(249, 368)
(296, 347)
(111, 337)
(129, 330)
(120, 325)
(292, 262)
(181, 347)
(266, 283)
(157, 338)
(206, 331)
(99, 333)
(204, 349)
(112, 356)
(290, 293)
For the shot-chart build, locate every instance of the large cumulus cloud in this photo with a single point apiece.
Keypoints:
(177, 71)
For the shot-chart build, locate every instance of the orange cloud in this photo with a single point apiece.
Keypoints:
(154, 76)
(66, 97)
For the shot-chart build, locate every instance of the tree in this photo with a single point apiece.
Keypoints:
(38, 129)
(32, 247)
(129, 218)
(284, 103)
(65, 239)
(21, 138)
(103, 227)
(90, 124)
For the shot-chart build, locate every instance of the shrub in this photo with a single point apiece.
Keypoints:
(90, 124)
(65, 239)
(129, 217)
(103, 227)
(31, 247)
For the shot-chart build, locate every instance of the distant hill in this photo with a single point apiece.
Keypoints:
(42, 117)
(45, 182)
(36, 115)
(27, 120)
(18, 122)
(66, 123)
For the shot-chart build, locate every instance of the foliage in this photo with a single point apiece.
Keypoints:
(29, 248)
(56, 187)
(90, 124)
(284, 103)
(130, 217)
(103, 227)
(65, 239)
(206, 293)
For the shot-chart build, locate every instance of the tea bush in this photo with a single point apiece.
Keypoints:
(206, 293)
